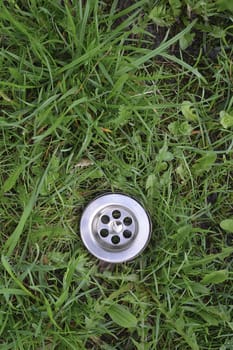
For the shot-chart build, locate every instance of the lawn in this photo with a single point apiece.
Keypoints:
(130, 96)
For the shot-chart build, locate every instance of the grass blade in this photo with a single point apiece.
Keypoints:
(8, 268)
(14, 238)
(158, 51)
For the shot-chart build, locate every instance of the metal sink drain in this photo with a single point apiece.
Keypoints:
(115, 227)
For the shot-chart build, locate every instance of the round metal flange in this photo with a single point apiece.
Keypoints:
(115, 227)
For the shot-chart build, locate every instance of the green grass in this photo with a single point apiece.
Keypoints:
(92, 82)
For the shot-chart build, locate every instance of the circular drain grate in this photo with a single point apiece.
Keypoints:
(115, 227)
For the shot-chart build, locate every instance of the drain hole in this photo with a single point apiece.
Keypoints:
(105, 219)
(116, 214)
(104, 232)
(127, 234)
(115, 239)
(128, 221)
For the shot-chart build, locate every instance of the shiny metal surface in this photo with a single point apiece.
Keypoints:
(115, 227)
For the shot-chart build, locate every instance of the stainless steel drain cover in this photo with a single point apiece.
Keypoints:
(115, 227)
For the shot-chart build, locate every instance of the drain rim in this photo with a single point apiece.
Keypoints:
(117, 253)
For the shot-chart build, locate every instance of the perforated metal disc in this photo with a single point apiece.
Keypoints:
(115, 227)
